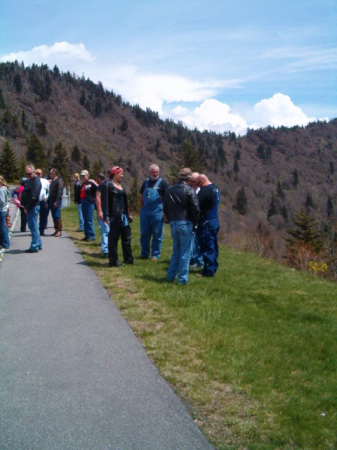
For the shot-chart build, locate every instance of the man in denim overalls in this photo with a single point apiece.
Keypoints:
(152, 195)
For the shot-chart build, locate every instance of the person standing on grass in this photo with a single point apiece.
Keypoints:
(103, 212)
(119, 219)
(77, 200)
(55, 200)
(30, 201)
(44, 211)
(181, 208)
(152, 195)
(4, 235)
(196, 260)
(208, 226)
(88, 200)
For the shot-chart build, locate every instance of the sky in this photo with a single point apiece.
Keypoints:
(220, 65)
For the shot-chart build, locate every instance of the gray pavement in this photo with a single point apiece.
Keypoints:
(73, 375)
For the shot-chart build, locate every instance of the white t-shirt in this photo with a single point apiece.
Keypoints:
(44, 189)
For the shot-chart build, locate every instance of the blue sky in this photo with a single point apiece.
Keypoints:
(223, 65)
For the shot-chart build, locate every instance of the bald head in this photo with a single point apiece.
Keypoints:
(203, 180)
(194, 180)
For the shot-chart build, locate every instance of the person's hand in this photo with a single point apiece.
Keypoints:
(130, 219)
(100, 215)
(56, 204)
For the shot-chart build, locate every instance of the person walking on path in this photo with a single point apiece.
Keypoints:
(119, 219)
(55, 200)
(88, 200)
(30, 201)
(181, 208)
(44, 211)
(77, 200)
(152, 195)
(4, 235)
(103, 214)
(208, 227)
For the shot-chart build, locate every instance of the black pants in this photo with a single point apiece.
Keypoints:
(125, 233)
(23, 220)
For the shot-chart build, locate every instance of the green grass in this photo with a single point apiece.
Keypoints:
(252, 351)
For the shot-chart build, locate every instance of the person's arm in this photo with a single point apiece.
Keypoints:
(99, 205)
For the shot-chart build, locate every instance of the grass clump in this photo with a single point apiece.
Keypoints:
(252, 352)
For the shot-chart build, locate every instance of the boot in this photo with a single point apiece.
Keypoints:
(58, 228)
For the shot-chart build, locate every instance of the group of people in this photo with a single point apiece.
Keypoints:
(190, 206)
(35, 197)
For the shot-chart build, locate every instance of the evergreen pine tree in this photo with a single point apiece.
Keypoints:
(279, 190)
(295, 177)
(272, 210)
(188, 156)
(305, 232)
(8, 163)
(60, 161)
(76, 155)
(308, 202)
(35, 152)
(329, 207)
(86, 163)
(96, 169)
(241, 202)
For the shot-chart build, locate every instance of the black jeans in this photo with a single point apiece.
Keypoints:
(125, 233)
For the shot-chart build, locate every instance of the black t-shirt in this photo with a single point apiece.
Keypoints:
(162, 188)
(207, 198)
(102, 188)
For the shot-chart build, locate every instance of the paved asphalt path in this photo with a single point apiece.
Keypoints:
(73, 375)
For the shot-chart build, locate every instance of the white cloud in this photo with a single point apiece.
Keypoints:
(211, 115)
(58, 53)
(279, 111)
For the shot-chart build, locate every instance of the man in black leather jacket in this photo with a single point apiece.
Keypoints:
(181, 208)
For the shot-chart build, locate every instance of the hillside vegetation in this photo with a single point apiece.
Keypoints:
(264, 177)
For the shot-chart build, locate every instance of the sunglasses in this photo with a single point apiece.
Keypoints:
(29, 173)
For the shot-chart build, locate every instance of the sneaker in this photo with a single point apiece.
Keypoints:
(154, 259)
(31, 250)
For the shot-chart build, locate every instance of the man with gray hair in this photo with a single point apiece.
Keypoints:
(181, 208)
(152, 195)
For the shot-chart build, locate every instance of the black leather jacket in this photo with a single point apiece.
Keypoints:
(181, 203)
(30, 194)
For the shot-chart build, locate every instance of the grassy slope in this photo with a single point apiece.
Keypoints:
(252, 351)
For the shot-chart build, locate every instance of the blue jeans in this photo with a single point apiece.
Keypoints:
(151, 224)
(4, 236)
(208, 239)
(196, 256)
(80, 217)
(32, 218)
(55, 212)
(88, 216)
(182, 235)
(105, 228)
